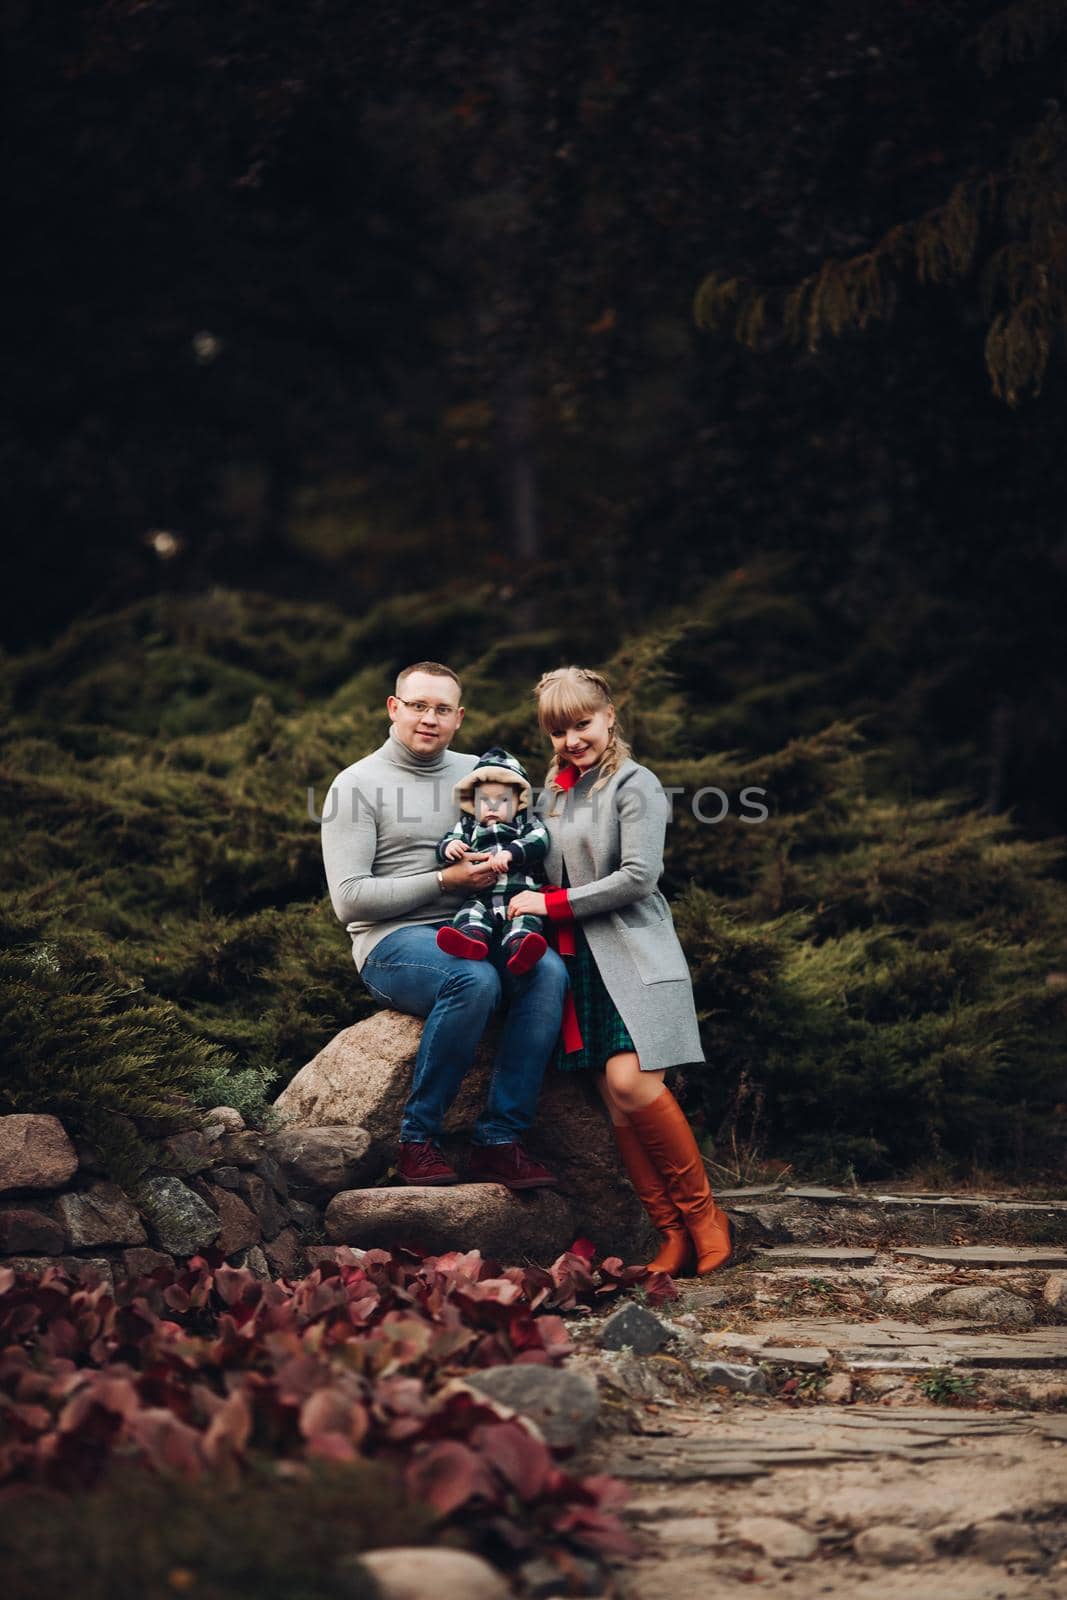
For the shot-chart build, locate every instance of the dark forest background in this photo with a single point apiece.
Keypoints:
(720, 346)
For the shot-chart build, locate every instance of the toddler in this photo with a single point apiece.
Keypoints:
(494, 803)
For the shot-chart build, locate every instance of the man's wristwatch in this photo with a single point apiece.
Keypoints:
(441, 882)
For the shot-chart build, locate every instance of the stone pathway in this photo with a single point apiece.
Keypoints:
(881, 1414)
(808, 1505)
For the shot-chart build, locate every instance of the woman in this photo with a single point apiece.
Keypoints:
(633, 1014)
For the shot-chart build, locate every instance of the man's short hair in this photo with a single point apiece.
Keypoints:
(435, 670)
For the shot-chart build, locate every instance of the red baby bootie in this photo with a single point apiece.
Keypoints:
(527, 953)
(454, 942)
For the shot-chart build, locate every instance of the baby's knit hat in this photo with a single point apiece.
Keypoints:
(495, 766)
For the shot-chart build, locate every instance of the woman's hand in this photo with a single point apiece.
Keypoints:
(527, 903)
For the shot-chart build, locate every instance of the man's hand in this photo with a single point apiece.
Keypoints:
(500, 861)
(473, 872)
(527, 903)
(456, 849)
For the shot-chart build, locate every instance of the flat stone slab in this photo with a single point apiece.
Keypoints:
(679, 1466)
(1046, 1347)
(905, 1363)
(817, 1255)
(808, 1358)
(834, 1196)
(812, 1439)
(823, 1216)
(863, 1197)
(462, 1216)
(974, 1203)
(954, 1423)
(758, 1192)
(817, 1194)
(986, 1255)
(891, 1346)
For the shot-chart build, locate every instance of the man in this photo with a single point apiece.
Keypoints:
(379, 835)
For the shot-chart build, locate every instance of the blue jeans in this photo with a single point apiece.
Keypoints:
(407, 971)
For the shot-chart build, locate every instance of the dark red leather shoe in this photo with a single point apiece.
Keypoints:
(510, 1165)
(421, 1162)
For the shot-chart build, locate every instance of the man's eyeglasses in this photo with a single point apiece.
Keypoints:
(420, 707)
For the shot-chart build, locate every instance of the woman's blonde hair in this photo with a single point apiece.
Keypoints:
(564, 695)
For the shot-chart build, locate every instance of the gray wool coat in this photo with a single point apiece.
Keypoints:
(611, 843)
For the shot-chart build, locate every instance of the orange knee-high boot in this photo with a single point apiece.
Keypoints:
(664, 1130)
(676, 1254)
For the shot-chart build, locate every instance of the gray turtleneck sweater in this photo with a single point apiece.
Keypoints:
(380, 826)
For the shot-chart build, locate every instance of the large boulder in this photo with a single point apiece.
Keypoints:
(563, 1404)
(35, 1153)
(363, 1076)
(327, 1159)
(505, 1227)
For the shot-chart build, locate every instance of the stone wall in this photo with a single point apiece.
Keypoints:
(258, 1198)
(272, 1201)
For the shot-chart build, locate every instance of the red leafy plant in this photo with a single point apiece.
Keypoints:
(205, 1369)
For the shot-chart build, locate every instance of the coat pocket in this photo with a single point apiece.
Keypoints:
(647, 933)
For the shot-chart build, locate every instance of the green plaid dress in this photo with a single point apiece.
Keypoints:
(604, 1033)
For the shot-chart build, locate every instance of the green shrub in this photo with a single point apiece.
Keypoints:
(870, 970)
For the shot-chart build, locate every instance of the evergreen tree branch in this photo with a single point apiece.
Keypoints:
(1015, 215)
